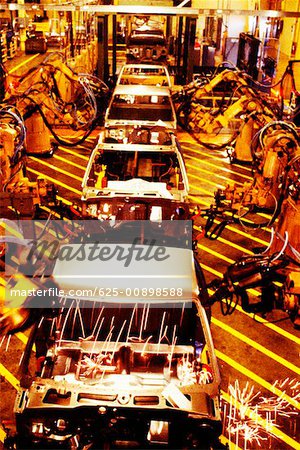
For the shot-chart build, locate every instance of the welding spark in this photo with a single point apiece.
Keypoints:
(95, 365)
(244, 401)
(246, 431)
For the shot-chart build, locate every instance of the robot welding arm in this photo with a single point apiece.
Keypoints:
(208, 124)
(225, 76)
(222, 120)
(53, 91)
(249, 272)
(260, 272)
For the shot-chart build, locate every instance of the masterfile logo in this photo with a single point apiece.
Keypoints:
(99, 251)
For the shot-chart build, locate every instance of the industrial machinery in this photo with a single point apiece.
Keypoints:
(273, 148)
(21, 197)
(280, 262)
(226, 109)
(133, 365)
(274, 273)
(142, 162)
(55, 37)
(18, 195)
(52, 96)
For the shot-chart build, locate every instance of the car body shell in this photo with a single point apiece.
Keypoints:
(147, 46)
(141, 105)
(147, 74)
(87, 384)
(154, 169)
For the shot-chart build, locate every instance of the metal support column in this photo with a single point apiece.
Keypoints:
(169, 27)
(102, 63)
(188, 52)
(70, 33)
(179, 46)
(114, 48)
(2, 76)
(191, 50)
(186, 48)
(169, 36)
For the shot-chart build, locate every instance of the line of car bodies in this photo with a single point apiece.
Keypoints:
(133, 365)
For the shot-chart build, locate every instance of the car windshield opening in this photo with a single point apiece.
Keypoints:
(141, 108)
(126, 165)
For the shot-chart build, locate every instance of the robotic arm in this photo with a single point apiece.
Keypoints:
(227, 76)
(274, 148)
(53, 95)
(18, 195)
(210, 111)
(280, 262)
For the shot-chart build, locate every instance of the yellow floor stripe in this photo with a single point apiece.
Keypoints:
(268, 426)
(229, 181)
(71, 163)
(14, 382)
(198, 200)
(211, 155)
(9, 376)
(71, 152)
(22, 337)
(230, 244)
(14, 69)
(53, 180)
(91, 138)
(64, 200)
(55, 168)
(272, 327)
(224, 158)
(205, 180)
(256, 345)
(236, 246)
(50, 211)
(211, 270)
(216, 254)
(222, 186)
(215, 166)
(257, 379)
(205, 191)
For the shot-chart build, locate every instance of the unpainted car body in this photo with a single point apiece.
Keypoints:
(146, 45)
(131, 363)
(147, 74)
(141, 162)
(141, 105)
